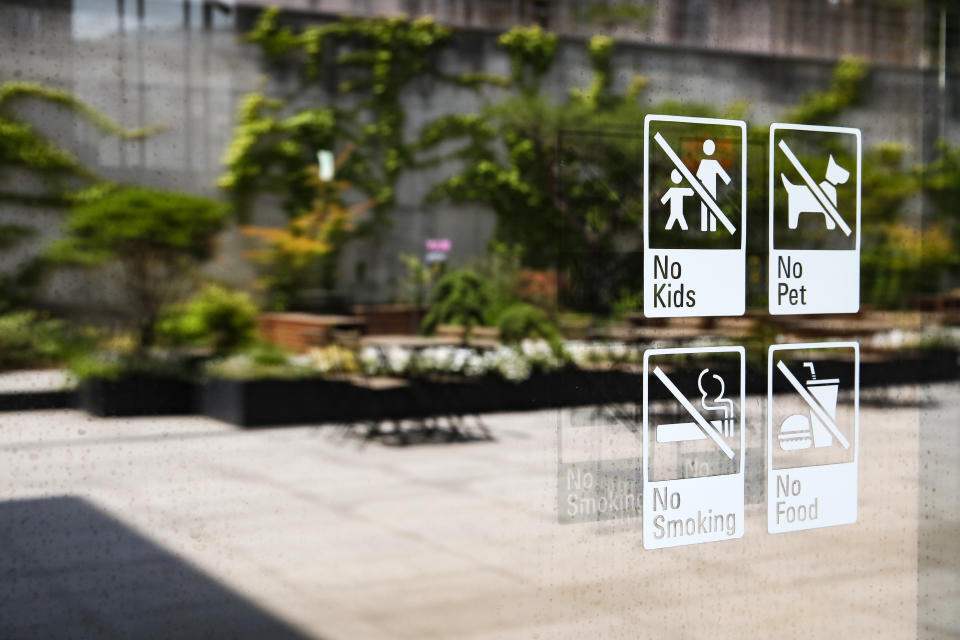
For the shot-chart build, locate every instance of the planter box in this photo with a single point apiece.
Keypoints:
(37, 400)
(137, 396)
(392, 319)
(259, 403)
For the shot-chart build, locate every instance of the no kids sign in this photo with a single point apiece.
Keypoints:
(694, 187)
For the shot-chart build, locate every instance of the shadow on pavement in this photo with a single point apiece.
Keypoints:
(69, 570)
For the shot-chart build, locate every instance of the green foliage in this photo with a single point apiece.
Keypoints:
(887, 183)
(24, 148)
(16, 286)
(309, 245)
(629, 301)
(418, 279)
(274, 145)
(601, 48)
(12, 234)
(563, 196)
(111, 365)
(549, 191)
(156, 236)
(531, 51)
(222, 319)
(380, 57)
(60, 177)
(128, 223)
(270, 153)
(460, 298)
(500, 273)
(31, 340)
(259, 361)
(941, 183)
(520, 321)
(622, 13)
(276, 42)
(844, 92)
(906, 262)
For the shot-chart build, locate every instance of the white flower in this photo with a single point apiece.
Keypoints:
(300, 360)
(508, 363)
(579, 352)
(475, 365)
(398, 360)
(618, 352)
(370, 361)
(459, 360)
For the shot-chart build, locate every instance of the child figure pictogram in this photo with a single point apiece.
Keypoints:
(675, 196)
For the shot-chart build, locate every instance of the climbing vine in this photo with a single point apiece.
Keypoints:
(24, 148)
(369, 63)
(372, 61)
(844, 92)
(531, 51)
(600, 49)
(62, 179)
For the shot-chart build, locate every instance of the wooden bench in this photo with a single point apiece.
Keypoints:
(300, 331)
(481, 337)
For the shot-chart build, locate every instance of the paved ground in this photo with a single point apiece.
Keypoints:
(35, 380)
(187, 526)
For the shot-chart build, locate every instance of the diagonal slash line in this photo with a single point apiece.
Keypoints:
(814, 405)
(700, 420)
(696, 184)
(815, 188)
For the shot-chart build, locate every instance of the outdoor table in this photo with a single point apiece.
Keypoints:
(408, 342)
(838, 328)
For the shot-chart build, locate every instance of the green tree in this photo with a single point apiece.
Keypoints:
(311, 241)
(564, 195)
(156, 237)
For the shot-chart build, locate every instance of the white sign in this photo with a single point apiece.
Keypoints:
(326, 165)
(693, 446)
(598, 463)
(814, 219)
(694, 216)
(812, 437)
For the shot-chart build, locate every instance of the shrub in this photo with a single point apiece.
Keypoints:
(220, 318)
(629, 301)
(460, 298)
(28, 339)
(521, 321)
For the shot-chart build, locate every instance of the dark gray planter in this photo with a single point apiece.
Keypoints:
(137, 395)
(260, 403)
